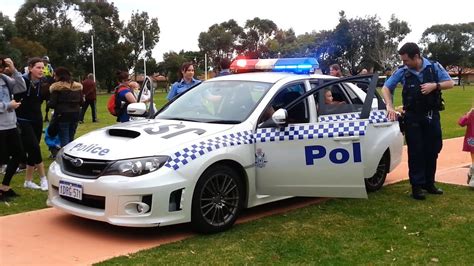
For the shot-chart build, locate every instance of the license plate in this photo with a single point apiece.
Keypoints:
(69, 189)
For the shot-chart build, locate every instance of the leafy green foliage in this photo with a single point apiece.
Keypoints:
(139, 24)
(363, 43)
(171, 65)
(106, 26)
(220, 40)
(451, 45)
(50, 24)
(28, 48)
(7, 32)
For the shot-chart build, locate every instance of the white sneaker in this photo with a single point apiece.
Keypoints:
(44, 184)
(470, 175)
(31, 184)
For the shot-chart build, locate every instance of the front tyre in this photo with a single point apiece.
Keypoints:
(217, 200)
(375, 182)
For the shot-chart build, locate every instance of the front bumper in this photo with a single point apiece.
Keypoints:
(115, 199)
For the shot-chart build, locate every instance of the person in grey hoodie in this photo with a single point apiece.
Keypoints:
(11, 149)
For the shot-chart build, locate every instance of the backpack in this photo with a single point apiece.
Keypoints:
(114, 104)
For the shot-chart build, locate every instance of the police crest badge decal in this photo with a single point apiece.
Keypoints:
(260, 160)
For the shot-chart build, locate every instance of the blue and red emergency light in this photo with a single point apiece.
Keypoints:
(305, 65)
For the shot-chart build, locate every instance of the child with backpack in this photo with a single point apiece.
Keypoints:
(122, 97)
(467, 120)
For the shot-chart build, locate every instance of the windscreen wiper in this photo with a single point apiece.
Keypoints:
(232, 122)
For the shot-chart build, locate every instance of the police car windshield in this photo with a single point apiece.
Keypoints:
(221, 101)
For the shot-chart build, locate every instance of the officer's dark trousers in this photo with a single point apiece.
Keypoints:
(424, 142)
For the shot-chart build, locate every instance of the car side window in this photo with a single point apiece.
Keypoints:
(298, 113)
(353, 98)
(337, 99)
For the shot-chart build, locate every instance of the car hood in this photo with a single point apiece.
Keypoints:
(141, 138)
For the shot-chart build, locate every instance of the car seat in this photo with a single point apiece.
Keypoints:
(297, 114)
(239, 104)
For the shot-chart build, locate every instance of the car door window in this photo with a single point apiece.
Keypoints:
(337, 99)
(298, 113)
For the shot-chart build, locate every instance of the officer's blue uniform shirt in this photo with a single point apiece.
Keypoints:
(399, 76)
(180, 87)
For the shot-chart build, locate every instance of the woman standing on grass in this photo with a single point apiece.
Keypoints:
(30, 121)
(124, 96)
(66, 100)
(11, 149)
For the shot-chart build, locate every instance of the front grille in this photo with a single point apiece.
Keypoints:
(92, 201)
(88, 168)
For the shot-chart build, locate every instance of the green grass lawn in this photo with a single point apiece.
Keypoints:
(388, 228)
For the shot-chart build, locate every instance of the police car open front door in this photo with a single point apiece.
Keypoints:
(311, 159)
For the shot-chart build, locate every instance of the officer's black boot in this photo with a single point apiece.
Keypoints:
(431, 189)
(417, 193)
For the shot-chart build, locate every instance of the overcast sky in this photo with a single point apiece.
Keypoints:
(181, 21)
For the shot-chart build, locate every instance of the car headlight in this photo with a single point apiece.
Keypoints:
(59, 157)
(136, 166)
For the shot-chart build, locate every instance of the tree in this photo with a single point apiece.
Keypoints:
(8, 31)
(141, 23)
(451, 45)
(105, 26)
(384, 55)
(171, 65)
(284, 44)
(257, 33)
(50, 24)
(220, 40)
(28, 48)
(362, 43)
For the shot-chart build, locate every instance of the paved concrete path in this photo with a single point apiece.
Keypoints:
(51, 237)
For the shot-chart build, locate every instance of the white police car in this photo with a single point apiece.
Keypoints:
(230, 143)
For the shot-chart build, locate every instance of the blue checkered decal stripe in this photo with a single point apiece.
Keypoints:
(375, 117)
(326, 130)
(323, 130)
(189, 154)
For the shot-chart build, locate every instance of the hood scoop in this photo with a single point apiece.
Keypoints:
(125, 133)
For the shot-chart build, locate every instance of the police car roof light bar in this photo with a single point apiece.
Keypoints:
(304, 65)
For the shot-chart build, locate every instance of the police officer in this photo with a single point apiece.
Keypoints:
(422, 82)
(187, 81)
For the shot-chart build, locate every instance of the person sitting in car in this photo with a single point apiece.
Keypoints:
(328, 99)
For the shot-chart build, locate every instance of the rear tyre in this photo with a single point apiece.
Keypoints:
(375, 182)
(217, 200)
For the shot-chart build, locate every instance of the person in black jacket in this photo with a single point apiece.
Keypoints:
(66, 100)
(30, 122)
